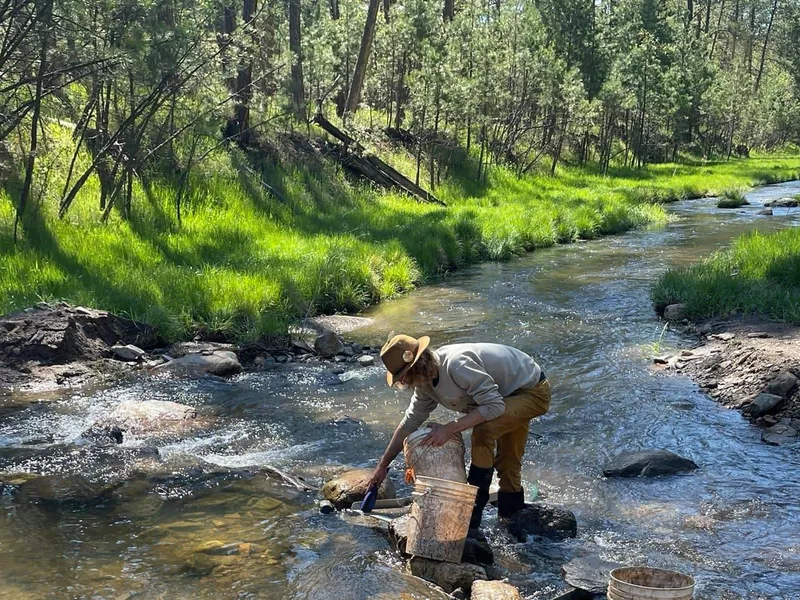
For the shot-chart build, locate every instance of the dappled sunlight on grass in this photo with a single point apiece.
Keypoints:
(245, 260)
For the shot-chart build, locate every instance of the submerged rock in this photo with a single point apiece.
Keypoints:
(648, 463)
(57, 490)
(494, 590)
(779, 434)
(328, 344)
(448, 576)
(543, 520)
(219, 362)
(351, 486)
(152, 419)
(762, 405)
(675, 312)
(589, 573)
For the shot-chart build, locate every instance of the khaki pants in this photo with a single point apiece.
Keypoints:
(509, 432)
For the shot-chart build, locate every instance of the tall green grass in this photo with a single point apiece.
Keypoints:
(758, 275)
(245, 262)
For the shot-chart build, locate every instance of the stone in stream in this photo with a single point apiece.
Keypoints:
(766, 211)
(328, 345)
(219, 362)
(351, 486)
(783, 203)
(448, 576)
(779, 434)
(494, 590)
(366, 361)
(784, 383)
(127, 352)
(648, 463)
(543, 520)
(60, 490)
(762, 404)
(675, 312)
(589, 573)
(151, 419)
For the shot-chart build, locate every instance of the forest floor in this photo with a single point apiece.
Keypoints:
(752, 365)
(266, 241)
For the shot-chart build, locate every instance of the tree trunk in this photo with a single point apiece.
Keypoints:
(244, 81)
(766, 42)
(298, 89)
(449, 10)
(360, 72)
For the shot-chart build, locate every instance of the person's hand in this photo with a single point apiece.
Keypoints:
(438, 436)
(377, 477)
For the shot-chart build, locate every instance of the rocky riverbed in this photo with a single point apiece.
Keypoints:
(751, 365)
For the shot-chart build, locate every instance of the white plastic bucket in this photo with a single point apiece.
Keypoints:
(441, 462)
(645, 583)
(439, 518)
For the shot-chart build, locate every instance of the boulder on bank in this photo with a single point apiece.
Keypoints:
(781, 385)
(780, 434)
(151, 419)
(762, 404)
(219, 362)
(351, 486)
(60, 333)
(589, 573)
(675, 312)
(543, 520)
(494, 590)
(648, 463)
(127, 352)
(448, 576)
(328, 344)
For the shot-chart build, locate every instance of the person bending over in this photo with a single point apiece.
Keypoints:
(498, 388)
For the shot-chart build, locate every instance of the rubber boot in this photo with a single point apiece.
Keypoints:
(510, 503)
(481, 478)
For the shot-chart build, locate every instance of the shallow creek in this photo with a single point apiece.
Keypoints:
(176, 530)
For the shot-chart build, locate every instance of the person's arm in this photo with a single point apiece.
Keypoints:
(420, 407)
(479, 385)
(402, 431)
(440, 435)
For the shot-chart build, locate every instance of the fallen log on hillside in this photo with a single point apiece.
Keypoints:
(351, 154)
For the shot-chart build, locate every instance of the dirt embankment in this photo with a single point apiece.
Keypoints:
(750, 365)
(50, 345)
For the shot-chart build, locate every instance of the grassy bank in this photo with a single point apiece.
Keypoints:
(759, 274)
(245, 261)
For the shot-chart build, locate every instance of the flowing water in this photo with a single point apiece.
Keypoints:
(201, 522)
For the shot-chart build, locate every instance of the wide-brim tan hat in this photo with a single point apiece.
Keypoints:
(401, 353)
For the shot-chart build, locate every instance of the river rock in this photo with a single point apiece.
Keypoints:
(766, 211)
(477, 550)
(152, 419)
(648, 463)
(366, 361)
(57, 490)
(588, 573)
(448, 576)
(784, 203)
(543, 520)
(779, 434)
(127, 352)
(218, 362)
(784, 383)
(762, 404)
(328, 344)
(351, 486)
(494, 590)
(675, 312)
